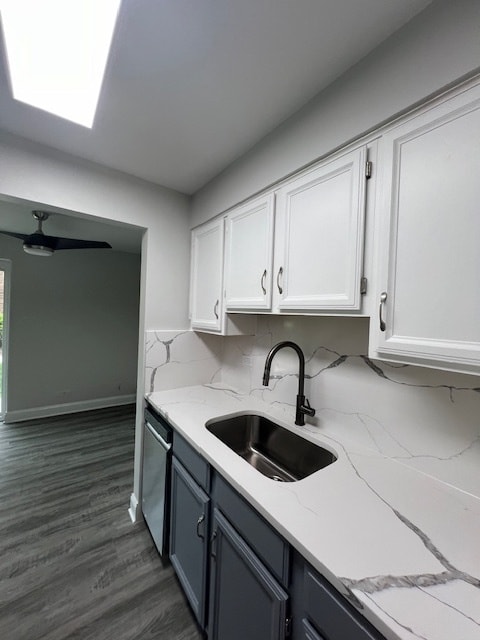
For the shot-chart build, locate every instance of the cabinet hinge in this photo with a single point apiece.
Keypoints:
(363, 285)
(368, 169)
(288, 626)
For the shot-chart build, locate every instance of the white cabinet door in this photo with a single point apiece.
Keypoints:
(319, 236)
(248, 267)
(207, 276)
(429, 250)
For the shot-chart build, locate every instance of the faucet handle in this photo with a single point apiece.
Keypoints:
(307, 409)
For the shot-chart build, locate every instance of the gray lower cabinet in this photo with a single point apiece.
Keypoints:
(189, 538)
(308, 632)
(320, 612)
(245, 599)
(234, 565)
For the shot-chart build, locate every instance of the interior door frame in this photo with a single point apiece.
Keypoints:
(6, 267)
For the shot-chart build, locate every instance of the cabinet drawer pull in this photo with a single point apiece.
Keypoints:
(199, 522)
(383, 299)
(215, 309)
(279, 275)
(262, 282)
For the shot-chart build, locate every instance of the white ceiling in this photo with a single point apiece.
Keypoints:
(193, 84)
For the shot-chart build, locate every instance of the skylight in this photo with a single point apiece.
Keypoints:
(57, 52)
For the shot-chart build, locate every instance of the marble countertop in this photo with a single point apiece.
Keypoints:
(405, 544)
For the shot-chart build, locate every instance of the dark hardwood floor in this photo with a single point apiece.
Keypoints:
(72, 565)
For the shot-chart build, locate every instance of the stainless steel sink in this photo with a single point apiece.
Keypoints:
(271, 449)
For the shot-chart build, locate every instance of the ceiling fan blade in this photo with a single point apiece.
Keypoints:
(54, 243)
(72, 243)
(20, 236)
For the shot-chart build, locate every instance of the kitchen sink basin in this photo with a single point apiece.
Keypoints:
(274, 451)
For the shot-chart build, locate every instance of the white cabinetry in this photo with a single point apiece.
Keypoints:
(319, 237)
(317, 248)
(207, 310)
(207, 276)
(429, 239)
(248, 265)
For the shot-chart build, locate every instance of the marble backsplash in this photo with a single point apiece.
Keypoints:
(180, 359)
(423, 418)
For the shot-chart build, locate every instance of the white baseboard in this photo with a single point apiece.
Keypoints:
(71, 407)
(134, 511)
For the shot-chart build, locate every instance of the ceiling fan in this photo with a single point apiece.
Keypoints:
(39, 244)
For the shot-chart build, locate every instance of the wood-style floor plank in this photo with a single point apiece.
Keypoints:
(72, 565)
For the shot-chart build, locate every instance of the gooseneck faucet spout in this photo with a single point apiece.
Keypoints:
(303, 406)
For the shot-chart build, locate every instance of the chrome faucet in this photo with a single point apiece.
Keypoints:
(303, 406)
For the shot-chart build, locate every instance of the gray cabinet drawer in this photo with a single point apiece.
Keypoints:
(273, 550)
(197, 466)
(331, 614)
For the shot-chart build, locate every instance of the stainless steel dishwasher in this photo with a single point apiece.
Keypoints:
(157, 445)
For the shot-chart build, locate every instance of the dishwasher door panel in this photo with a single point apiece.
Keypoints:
(156, 470)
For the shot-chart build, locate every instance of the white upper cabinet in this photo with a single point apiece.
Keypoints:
(319, 237)
(428, 282)
(207, 276)
(248, 266)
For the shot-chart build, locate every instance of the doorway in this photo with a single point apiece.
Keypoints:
(4, 303)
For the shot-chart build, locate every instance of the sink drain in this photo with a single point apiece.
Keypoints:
(277, 478)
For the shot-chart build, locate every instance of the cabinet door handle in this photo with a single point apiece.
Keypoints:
(279, 275)
(213, 545)
(383, 299)
(199, 522)
(215, 309)
(262, 282)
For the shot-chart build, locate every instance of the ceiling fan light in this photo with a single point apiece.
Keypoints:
(37, 250)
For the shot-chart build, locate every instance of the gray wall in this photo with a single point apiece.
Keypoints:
(37, 174)
(429, 53)
(48, 178)
(73, 330)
